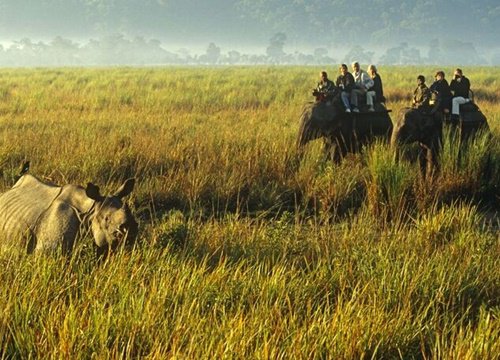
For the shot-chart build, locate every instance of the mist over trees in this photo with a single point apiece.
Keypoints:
(117, 49)
(137, 32)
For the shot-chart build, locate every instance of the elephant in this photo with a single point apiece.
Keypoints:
(426, 129)
(341, 132)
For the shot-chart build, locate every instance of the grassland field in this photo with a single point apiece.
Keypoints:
(244, 250)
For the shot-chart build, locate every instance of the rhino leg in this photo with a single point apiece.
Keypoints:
(57, 229)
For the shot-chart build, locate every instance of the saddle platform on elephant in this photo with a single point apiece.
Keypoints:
(368, 113)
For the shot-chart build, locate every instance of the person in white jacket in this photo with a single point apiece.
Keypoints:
(362, 82)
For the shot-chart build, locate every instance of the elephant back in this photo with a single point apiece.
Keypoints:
(376, 123)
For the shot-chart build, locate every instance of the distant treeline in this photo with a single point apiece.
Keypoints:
(329, 22)
(120, 50)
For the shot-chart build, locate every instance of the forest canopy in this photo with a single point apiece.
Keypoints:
(385, 22)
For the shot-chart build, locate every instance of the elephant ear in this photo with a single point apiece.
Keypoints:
(327, 117)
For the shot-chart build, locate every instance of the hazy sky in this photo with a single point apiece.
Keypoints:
(247, 23)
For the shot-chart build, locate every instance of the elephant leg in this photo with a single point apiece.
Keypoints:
(337, 154)
(340, 150)
(329, 149)
(344, 144)
(422, 160)
(333, 150)
(431, 159)
(431, 163)
(436, 148)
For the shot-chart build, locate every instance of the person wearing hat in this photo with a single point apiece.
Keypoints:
(460, 87)
(442, 89)
(421, 95)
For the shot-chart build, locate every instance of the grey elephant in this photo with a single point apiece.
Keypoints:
(426, 129)
(341, 132)
(36, 216)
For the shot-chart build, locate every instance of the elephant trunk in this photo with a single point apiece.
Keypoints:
(398, 137)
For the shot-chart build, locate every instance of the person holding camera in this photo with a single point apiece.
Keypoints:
(460, 87)
(325, 90)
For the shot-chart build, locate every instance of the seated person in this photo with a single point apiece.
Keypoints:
(345, 83)
(376, 92)
(442, 89)
(421, 95)
(325, 90)
(460, 87)
(362, 82)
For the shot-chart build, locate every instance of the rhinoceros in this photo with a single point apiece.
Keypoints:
(43, 217)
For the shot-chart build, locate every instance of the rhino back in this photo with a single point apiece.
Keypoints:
(22, 206)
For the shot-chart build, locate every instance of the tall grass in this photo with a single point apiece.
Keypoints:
(246, 250)
(389, 184)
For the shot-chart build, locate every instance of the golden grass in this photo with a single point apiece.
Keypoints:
(246, 252)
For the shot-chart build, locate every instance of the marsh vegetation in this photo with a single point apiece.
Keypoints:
(244, 251)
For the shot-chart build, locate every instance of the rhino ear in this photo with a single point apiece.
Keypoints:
(92, 192)
(126, 188)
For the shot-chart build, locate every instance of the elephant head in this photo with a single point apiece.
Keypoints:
(414, 126)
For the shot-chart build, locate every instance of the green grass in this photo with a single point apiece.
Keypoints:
(245, 251)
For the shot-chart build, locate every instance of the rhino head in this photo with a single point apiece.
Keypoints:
(112, 222)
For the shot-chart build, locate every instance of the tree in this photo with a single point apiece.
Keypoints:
(233, 57)
(401, 55)
(275, 49)
(357, 53)
(212, 54)
(321, 56)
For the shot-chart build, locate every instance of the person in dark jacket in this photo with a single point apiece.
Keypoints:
(460, 87)
(345, 82)
(442, 89)
(376, 92)
(421, 95)
(325, 90)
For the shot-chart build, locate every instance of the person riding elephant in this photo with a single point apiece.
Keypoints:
(421, 95)
(460, 87)
(345, 82)
(325, 90)
(362, 82)
(441, 88)
(376, 92)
